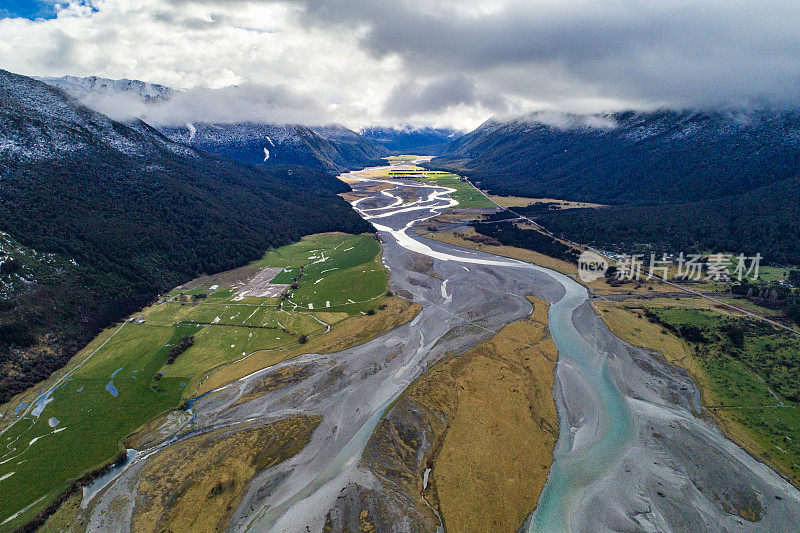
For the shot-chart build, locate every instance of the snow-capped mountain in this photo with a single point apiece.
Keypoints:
(38, 122)
(92, 86)
(332, 148)
(658, 157)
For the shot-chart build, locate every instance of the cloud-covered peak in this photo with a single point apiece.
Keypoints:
(407, 61)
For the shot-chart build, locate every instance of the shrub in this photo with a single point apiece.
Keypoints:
(186, 342)
(692, 334)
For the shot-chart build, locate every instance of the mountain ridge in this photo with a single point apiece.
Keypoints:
(629, 157)
(332, 148)
(691, 181)
(134, 211)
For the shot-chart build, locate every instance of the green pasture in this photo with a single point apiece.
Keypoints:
(37, 460)
(344, 270)
(468, 197)
(92, 422)
(744, 372)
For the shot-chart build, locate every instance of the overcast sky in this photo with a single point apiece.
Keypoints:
(444, 62)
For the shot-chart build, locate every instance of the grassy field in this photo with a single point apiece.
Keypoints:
(768, 273)
(39, 459)
(752, 372)
(127, 382)
(492, 423)
(468, 197)
(521, 201)
(741, 378)
(405, 157)
(496, 453)
(198, 483)
(329, 264)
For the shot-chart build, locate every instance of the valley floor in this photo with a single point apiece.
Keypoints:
(734, 380)
(124, 379)
(415, 383)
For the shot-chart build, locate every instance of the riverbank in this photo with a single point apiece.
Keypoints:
(616, 465)
(469, 443)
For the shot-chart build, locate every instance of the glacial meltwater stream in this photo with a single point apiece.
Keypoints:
(632, 453)
(580, 460)
(583, 453)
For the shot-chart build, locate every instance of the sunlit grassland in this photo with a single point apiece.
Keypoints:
(733, 380)
(39, 460)
(344, 275)
(491, 412)
(468, 197)
(403, 157)
(218, 345)
(91, 421)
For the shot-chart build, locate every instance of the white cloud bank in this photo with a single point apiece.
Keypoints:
(412, 61)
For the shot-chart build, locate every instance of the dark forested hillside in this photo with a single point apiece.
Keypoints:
(765, 221)
(137, 213)
(307, 178)
(681, 181)
(630, 158)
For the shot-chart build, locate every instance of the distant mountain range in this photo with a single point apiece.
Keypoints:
(332, 148)
(409, 140)
(631, 157)
(135, 212)
(679, 180)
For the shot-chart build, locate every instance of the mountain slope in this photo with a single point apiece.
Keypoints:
(630, 158)
(681, 181)
(408, 140)
(93, 87)
(135, 212)
(332, 148)
(764, 221)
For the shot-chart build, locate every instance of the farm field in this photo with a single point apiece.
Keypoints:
(122, 380)
(329, 264)
(468, 197)
(741, 366)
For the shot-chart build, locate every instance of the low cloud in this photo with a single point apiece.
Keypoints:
(241, 103)
(449, 63)
(413, 98)
(571, 121)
